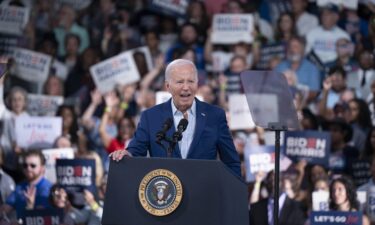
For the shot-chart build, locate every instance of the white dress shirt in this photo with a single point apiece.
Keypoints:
(187, 136)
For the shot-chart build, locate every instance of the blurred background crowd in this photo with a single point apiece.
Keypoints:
(325, 52)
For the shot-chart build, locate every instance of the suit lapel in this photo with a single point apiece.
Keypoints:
(285, 210)
(167, 113)
(200, 123)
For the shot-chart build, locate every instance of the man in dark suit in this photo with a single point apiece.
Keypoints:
(207, 133)
(291, 213)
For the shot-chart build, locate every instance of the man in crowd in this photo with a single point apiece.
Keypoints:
(322, 39)
(206, 134)
(307, 73)
(32, 193)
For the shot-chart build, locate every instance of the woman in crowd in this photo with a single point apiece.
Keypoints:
(125, 127)
(343, 197)
(90, 214)
(360, 120)
(16, 102)
(285, 28)
(53, 86)
(70, 123)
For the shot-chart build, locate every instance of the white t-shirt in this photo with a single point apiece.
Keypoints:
(305, 23)
(323, 42)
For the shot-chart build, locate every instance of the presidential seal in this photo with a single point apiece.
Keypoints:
(160, 192)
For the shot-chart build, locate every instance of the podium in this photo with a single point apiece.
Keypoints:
(211, 194)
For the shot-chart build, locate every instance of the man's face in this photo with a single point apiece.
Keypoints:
(329, 19)
(183, 85)
(298, 6)
(33, 168)
(338, 81)
(188, 35)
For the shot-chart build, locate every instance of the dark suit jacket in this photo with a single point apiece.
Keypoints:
(211, 135)
(291, 213)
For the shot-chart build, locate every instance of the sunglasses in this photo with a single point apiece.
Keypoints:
(26, 165)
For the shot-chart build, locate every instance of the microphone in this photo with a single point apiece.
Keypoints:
(177, 136)
(161, 134)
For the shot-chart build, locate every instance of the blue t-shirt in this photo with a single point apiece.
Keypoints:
(18, 201)
(307, 73)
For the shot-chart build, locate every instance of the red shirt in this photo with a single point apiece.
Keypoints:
(115, 145)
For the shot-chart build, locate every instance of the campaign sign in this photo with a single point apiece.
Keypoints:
(37, 132)
(8, 43)
(51, 156)
(312, 146)
(59, 69)
(43, 105)
(268, 52)
(335, 218)
(13, 19)
(350, 4)
(44, 217)
(258, 158)
(360, 171)
(77, 5)
(232, 28)
(320, 200)
(76, 174)
(169, 7)
(220, 61)
(240, 116)
(119, 69)
(32, 66)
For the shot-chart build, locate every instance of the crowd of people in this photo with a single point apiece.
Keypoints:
(327, 57)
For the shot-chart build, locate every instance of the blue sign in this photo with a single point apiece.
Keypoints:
(175, 8)
(259, 159)
(335, 218)
(76, 174)
(268, 52)
(312, 146)
(360, 171)
(43, 217)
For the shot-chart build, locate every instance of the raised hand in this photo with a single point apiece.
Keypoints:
(30, 194)
(96, 97)
(111, 99)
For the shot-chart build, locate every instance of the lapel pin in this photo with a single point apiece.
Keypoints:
(203, 114)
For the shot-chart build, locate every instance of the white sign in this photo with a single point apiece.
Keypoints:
(77, 5)
(232, 28)
(37, 132)
(32, 66)
(61, 70)
(13, 19)
(350, 4)
(51, 155)
(120, 69)
(362, 197)
(220, 61)
(320, 200)
(43, 105)
(162, 96)
(240, 116)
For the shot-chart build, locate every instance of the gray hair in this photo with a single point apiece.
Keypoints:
(179, 62)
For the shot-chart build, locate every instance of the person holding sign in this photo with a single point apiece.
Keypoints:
(16, 101)
(343, 197)
(206, 134)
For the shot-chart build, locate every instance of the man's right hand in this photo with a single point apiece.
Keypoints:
(119, 154)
